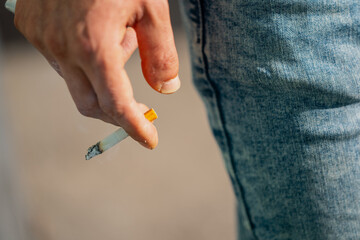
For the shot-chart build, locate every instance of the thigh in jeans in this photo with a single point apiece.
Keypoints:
(281, 82)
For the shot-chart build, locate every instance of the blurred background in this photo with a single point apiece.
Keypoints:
(180, 190)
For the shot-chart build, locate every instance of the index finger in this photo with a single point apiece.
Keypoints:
(105, 70)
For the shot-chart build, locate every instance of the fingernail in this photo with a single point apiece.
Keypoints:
(170, 86)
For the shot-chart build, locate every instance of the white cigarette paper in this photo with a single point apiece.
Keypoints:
(107, 143)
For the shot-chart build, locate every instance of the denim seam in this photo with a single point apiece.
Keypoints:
(220, 117)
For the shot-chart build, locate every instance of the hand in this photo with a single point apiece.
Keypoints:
(88, 43)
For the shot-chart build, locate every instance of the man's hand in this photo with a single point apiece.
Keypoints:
(88, 43)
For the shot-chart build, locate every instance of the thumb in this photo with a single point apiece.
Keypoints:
(159, 59)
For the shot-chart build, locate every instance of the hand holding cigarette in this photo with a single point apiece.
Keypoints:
(88, 43)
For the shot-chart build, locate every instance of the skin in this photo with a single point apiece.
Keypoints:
(88, 43)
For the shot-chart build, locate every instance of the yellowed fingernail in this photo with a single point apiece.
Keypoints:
(171, 85)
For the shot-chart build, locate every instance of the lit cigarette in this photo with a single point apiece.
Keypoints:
(114, 138)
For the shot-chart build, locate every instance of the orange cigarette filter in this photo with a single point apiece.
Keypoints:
(151, 115)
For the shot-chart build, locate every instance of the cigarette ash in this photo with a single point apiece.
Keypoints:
(93, 151)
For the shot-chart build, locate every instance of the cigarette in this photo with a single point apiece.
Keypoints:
(114, 138)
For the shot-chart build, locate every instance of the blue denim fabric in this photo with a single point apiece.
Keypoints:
(281, 83)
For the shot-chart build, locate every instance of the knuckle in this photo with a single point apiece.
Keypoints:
(113, 109)
(103, 59)
(84, 46)
(88, 44)
(166, 61)
(91, 45)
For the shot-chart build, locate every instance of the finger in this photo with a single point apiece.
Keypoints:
(116, 99)
(129, 43)
(143, 108)
(103, 63)
(159, 57)
(115, 96)
(83, 94)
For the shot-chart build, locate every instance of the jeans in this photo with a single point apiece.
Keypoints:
(280, 81)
